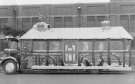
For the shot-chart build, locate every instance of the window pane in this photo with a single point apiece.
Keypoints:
(132, 23)
(58, 22)
(39, 45)
(91, 21)
(34, 20)
(116, 45)
(114, 20)
(99, 20)
(26, 23)
(68, 21)
(3, 21)
(124, 21)
(13, 45)
(55, 45)
(101, 45)
(85, 45)
(133, 44)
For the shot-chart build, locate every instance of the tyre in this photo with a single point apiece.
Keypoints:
(10, 66)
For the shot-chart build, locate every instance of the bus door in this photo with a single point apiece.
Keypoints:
(70, 56)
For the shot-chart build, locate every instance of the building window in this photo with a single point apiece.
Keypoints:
(124, 21)
(114, 20)
(133, 44)
(26, 23)
(68, 22)
(34, 20)
(58, 22)
(132, 23)
(91, 21)
(99, 19)
(95, 21)
(3, 21)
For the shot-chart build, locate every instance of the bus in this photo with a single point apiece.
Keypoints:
(56, 50)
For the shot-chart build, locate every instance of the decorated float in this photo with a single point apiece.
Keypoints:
(105, 48)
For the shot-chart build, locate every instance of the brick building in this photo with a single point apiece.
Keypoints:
(119, 12)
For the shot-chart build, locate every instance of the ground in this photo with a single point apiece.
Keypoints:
(126, 78)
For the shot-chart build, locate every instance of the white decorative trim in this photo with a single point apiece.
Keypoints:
(118, 68)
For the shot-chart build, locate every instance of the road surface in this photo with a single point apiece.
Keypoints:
(128, 78)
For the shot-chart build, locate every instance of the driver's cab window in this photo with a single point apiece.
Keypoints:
(13, 44)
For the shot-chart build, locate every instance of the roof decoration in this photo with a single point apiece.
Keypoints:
(41, 26)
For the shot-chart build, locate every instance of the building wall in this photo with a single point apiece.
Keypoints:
(90, 15)
(119, 12)
(6, 16)
(63, 15)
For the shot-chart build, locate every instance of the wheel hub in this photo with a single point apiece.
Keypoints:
(9, 67)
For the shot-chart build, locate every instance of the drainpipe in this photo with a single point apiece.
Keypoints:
(15, 18)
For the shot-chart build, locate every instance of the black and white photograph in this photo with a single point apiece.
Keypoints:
(67, 41)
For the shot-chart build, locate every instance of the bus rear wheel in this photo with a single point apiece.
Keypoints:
(10, 66)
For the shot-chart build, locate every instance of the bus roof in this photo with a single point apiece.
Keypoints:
(114, 32)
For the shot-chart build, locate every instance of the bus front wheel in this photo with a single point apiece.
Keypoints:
(10, 66)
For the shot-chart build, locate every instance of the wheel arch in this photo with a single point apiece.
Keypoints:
(9, 58)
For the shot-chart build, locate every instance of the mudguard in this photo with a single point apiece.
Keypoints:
(2, 59)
